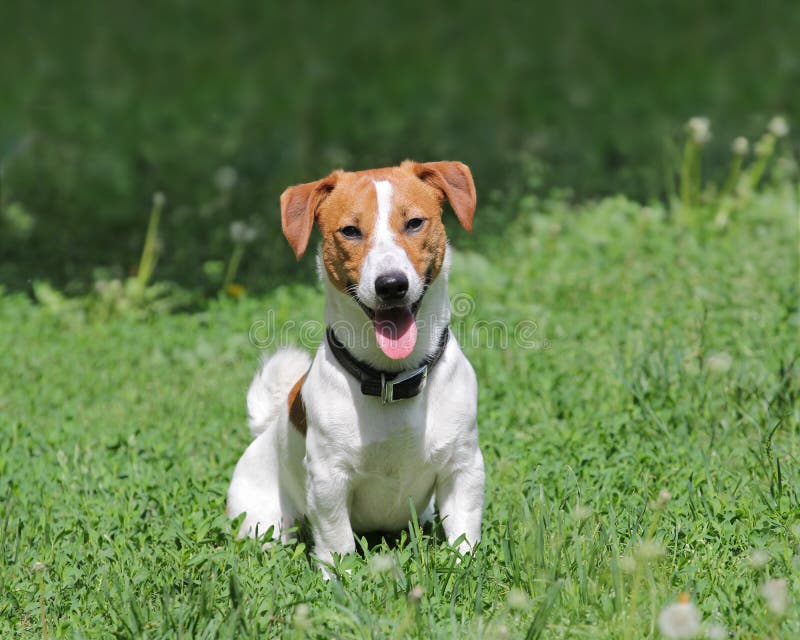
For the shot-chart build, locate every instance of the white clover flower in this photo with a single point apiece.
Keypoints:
(680, 620)
(649, 550)
(416, 593)
(582, 512)
(225, 178)
(719, 362)
(381, 563)
(778, 127)
(776, 594)
(716, 632)
(518, 599)
(740, 146)
(242, 233)
(664, 497)
(699, 129)
(759, 558)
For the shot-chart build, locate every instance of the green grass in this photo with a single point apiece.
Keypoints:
(665, 359)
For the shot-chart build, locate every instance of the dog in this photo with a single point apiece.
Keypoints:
(385, 414)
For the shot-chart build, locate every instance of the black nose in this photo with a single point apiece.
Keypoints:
(392, 286)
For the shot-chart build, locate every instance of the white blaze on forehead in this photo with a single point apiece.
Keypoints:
(385, 255)
(383, 230)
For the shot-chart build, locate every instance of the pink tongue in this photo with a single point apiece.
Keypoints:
(396, 332)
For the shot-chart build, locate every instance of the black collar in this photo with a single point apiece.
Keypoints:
(389, 386)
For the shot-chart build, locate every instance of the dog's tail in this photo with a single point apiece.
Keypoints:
(269, 392)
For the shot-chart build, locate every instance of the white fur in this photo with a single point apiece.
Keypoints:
(362, 461)
(385, 255)
(265, 485)
(270, 388)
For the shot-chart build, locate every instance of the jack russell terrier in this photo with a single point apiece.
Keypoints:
(385, 413)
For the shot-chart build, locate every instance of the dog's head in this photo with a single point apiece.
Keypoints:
(383, 240)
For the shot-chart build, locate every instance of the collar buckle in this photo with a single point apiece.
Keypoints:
(387, 386)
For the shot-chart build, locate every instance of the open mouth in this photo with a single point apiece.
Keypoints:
(395, 328)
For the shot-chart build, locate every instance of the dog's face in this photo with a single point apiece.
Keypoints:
(383, 240)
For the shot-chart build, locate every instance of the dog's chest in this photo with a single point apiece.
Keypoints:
(389, 472)
(400, 453)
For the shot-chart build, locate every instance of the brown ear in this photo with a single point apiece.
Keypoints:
(299, 205)
(454, 180)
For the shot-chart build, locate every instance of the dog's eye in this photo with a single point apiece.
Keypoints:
(350, 232)
(414, 224)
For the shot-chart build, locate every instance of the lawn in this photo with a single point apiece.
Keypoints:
(641, 432)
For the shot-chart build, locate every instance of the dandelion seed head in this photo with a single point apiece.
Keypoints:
(740, 146)
(679, 621)
(225, 178)
(381, 563)
(159, 200)
(776, 595)
(38, 567)
(758, 558)
(699, 129)
(242, 233)
(416, 593)
(716, 632)
(719, 362)
(778, 127)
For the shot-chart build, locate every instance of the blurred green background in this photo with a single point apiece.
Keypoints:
(105, 103)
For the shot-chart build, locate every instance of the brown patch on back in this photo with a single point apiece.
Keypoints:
(297, 412)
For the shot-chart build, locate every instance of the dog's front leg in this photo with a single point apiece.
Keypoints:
(459, 494)
(328, 494)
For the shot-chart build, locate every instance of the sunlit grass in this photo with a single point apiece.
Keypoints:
(641, 452)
